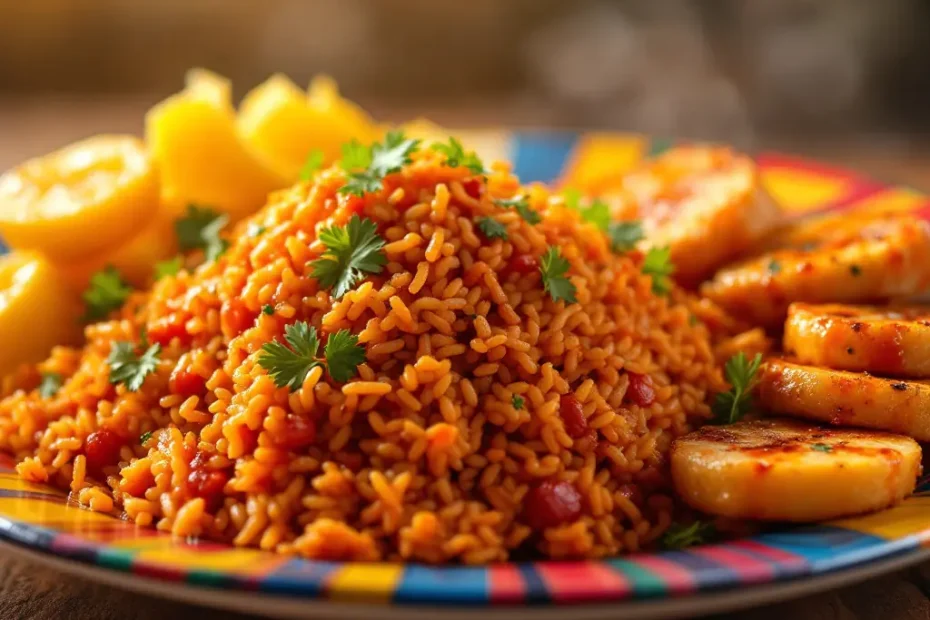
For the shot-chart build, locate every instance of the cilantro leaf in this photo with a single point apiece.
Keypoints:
(522, 205)
(368, 166)
(168, 267)
(130, 369)
(289, 366)
(821, 447)
(355, 156)
(200, 229)
(313, 163)
(350, 250)
(572, 198)
(553, 269)
(268, 309)
(144, 437)
(624, 235)
(517, 401)
(657, 264)
(343, 355)
(492, 228)
(106, 292)
(51, 383)
(598, 213)
(456, 156)
(774, 266)
(741, 373)
(679, 536)
(390, 156)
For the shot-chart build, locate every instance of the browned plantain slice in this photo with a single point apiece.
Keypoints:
(706, 203)
(881, 259)
(845, 398)
(891, 341)
(780, 470)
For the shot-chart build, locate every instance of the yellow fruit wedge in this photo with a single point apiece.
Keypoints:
(351, 120)
(779, 470)
(81, 199)
(892, 341)
(282, 124)
(844, 398)
(209, 86)
(134, 260)
(37, 311)
(201, 158)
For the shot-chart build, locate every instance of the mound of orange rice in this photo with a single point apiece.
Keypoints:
(488, 419)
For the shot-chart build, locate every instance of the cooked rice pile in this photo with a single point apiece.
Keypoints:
(423, 455)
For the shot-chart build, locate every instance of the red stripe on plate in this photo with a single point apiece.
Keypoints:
(750, 569)
(158, 571)
(678, 579)
(785, 558)
(506, 584)
(787, 162)
(576, 581)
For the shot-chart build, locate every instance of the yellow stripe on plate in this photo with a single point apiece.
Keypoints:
(890, 199)
(375, 582)
(799, 191)
(910, 517)
(12, 482)
(41, 512)
(238, 561)
(599, 162)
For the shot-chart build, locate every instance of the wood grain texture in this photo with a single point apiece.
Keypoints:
(29, 591)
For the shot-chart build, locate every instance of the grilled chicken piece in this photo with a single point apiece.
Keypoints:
(873, 260)
(843, 398)
(781, 470)
(892, 341)
(706, 203)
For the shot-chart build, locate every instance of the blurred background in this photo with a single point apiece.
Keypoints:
(844, 80)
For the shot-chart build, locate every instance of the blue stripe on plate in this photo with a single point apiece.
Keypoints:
(830, 548)
(541, 156)
(706, 572)
(446, 584)
(301, 577)
(536, 590)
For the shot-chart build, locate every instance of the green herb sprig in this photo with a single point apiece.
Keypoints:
(351, 251)
(553, 268)
(741, 373)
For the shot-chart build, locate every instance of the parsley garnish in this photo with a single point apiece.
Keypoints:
(679, 536)
(350, 250)
(517, 402)
(492, 228)
(268, 309)
(168, 267)
(624, 235)
(130, 369)
(51, 383)
(105, 293)
(343, 355)
(144, 437)
(855, 270)
(730, 406)
(289, 366)
(821, 447)
(553, 269)
(312, 164)
(368, 166)
(598, 213)
(572, 198)
(200, 229)
(774, 266)
(522, 205)
(456, 156)
(657, 264)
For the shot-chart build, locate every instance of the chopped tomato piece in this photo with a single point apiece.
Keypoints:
(235, 318)
(102, 450)
(572, 414)
(208, 484)
(524, 263)
(472, 187)
(552, 503)
(167, 328)
(186, 382)
(299, 432)
(641, 390)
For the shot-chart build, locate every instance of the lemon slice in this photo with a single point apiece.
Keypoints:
(78, 200)
(37, 311)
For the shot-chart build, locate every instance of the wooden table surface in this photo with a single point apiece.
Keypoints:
(32, 592)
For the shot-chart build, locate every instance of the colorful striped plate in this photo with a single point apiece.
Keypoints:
(40, 521)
